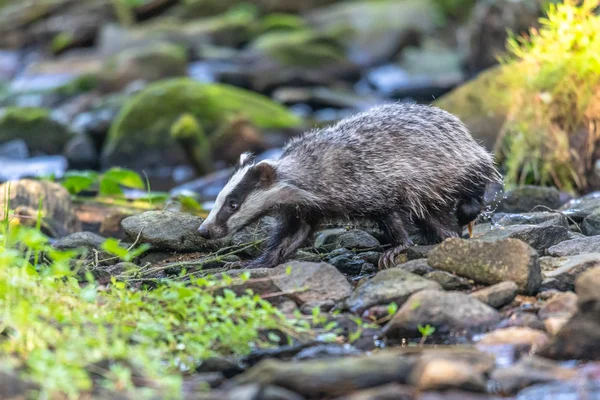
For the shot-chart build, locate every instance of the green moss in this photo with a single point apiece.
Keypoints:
(35, 126)
(146, 120)
(552, 75)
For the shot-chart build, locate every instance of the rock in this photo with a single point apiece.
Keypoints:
(58, 214)
(526, 339)
(446, 374)
(347, 263)
(522, 319)
(392, 391)
(376, 32)
(81, 153)
(326, 351)
(148, 63)
(490, 263)
(325, 239)
(538, 237)
(578, 339)
(76, 240)
(529, 370)
(497, 295)
(456, 395)
(563, 304)
(488, 28)
(586, 286)
(169, 231)
(535, 218)
(393, 285)
(575, 247)
(30, 124)
(414, 253)
(448, 281)
(418, 266)
(588, 389)
(146, 128)
(322, 283)
(447, 312)
(331, 377)
(560, 273)
(356, 240)
(478, 105)
(579, 209)
(527, 198)
(255, 233)
(591, 225)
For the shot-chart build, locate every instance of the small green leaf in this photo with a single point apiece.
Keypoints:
(123, 177)
(392, 308)
(288, 270)
(112, 246)
(78, 181)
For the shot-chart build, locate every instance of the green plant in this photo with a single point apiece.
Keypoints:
(553, 75)
(73, 337)
(425, 331)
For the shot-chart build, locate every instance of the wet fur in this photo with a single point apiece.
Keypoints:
(411, 168)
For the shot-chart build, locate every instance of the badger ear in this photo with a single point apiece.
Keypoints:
(266, 174)
(246, 158)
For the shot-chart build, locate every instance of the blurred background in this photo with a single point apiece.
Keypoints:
(176, 90)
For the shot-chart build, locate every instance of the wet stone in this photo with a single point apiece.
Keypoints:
(448, 281)
(489, 262)
(540, 237)
(414, 253)
(528, 371)
(591, 224)
(356, 240)
(573, 247)
(588, 295)
(256, 233)
(562, 304)
(522, 319)
(579, 209)
(536, 218)
(523, 338)
(447, 312)
(347, 263)
(577, 340)
(560, 273)
(441, 374)
(325, 239)
(497, 295)
(392, 285)
(572, 390)
(527, 198)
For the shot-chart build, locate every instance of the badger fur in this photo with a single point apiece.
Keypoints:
(410, 167)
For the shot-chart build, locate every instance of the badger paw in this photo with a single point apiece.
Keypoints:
(388, 258)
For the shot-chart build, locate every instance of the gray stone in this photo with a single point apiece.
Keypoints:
(169, 231)
(570, 390)
(591, 225)
(529, 370)
(347, 264)
(560, 273)
(588, 295)
(326, 238)
(497, 295)
(258, 233)
(77, 240)
(356, 240)
(490, 262)
(576, 246)
(522, 319)
(538, 237)
(521, 337)
(527, 198)
(448, 281)
(578, 209)
(577, 340)
(393, 285)
(535, 218)
(414, 253)
(447, 312)
(418, 266)
(330, 377)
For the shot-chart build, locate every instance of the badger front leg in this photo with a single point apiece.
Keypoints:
(289, 235)
(395, 228)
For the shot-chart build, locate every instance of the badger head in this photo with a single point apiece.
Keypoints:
(252, 191)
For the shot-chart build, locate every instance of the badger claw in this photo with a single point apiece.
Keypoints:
(470, 228)
(388, 258)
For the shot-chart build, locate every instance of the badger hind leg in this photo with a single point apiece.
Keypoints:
(394, 226)
(290, 234)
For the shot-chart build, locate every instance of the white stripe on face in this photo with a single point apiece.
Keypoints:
(227, 189)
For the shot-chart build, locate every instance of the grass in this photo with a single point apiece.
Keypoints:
(553, 75)
(73, 337)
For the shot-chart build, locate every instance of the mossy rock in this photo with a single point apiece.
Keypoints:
(148, 130)
(36, 127)
(149, 63)
(303, 47)
(482, 104)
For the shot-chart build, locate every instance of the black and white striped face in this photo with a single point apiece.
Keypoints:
(248, 195)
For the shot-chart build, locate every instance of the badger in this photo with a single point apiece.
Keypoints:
(413, 169)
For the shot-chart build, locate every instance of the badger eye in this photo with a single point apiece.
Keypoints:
(233, 205)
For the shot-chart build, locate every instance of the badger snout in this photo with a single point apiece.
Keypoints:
(204, 231)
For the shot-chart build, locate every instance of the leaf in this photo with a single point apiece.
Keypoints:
(110, 188)
(392, 308)
(426, 330)
(78, 181)
(124, 177)
(112, 246)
